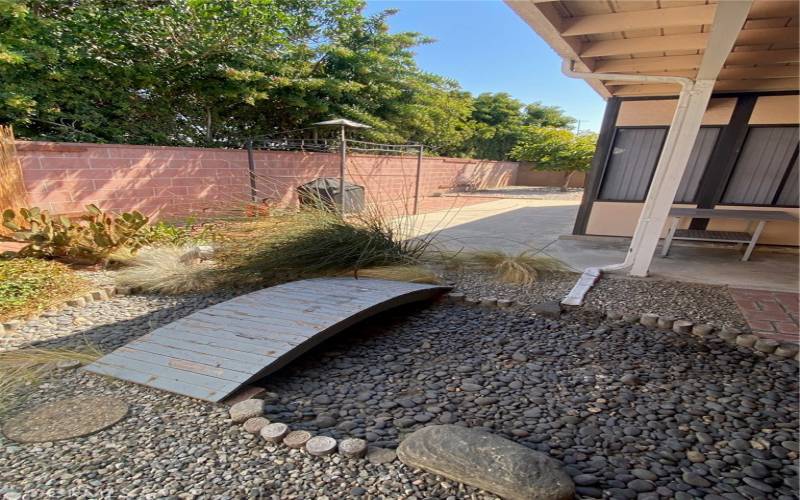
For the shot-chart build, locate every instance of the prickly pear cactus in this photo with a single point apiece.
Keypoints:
(91, 238)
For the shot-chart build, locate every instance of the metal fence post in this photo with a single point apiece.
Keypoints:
(251, 169)
(416, 182)
(342, 169)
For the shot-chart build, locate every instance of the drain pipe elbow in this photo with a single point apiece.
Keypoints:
(568, 68)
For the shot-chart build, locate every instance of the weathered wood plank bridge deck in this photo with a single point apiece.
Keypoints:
(210, 353)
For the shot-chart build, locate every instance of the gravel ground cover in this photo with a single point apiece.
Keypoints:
(696, 302)
(629, 411)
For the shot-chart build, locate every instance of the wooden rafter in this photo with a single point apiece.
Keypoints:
(639, 20)
(691, 41)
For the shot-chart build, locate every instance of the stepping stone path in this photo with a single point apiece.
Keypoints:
(355, 448)
(274, 433)
(296, 439)
(486, 461)
(255, 424)
(321, 445)
(69, 418)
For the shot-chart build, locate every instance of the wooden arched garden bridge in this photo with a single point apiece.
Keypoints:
(211, 353)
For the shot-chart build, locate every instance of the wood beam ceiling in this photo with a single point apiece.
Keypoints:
(639, 20)
(691, 41)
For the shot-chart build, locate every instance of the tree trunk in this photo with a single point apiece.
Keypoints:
(567, 178)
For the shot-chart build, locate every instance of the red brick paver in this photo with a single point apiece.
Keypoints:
(770, 314)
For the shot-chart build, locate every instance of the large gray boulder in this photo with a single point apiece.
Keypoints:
(487, 461)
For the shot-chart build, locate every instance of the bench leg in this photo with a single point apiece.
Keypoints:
(671, 234)
(753, 240)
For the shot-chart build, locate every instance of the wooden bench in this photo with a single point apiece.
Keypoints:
(757, 219)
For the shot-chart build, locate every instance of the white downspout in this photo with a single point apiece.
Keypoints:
(686, 84)
(592, 274)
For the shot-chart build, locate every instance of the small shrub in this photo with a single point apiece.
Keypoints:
(522, 268)
(165, 233)
(90, 238)
(30, 285)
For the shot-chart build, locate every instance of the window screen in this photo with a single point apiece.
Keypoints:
(761, 165)
(790, 194)
(631, 164)
(701, 152)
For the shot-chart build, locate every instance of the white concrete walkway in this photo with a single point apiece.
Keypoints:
(516, 225)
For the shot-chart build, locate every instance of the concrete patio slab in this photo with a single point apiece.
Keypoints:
(516, 225)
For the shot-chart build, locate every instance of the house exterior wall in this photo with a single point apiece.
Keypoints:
(178, 181)
(619, 218)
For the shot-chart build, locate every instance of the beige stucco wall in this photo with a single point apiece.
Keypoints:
(659, 112)
(776, 110)
(619, 219)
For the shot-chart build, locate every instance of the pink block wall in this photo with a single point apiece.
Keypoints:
(175, 181)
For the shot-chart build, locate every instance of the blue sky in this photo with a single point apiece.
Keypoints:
(486, 47)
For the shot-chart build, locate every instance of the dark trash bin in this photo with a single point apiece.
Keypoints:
(325, 191)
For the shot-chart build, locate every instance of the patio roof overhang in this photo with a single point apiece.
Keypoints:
(687, 48)
(668, 38)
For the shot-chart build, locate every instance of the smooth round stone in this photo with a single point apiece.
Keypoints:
(505, 303)
(682, 326)
(702, 330)
(296, 439)
(255, 424)
(613, 315)
(489, 301)
(786, 350)
(353, 447)
(456, 297)
(746, 340)
(68, 364)
(246, 409)
(66, 419)
(472, 301)
(649, 320)
(666, 322)
(321, 445)
(274, 433)
(729, 334)
(766, 345)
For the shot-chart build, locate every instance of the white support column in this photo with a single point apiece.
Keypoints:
(678, 146)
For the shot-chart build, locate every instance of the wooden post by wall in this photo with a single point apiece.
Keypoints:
(12, 188)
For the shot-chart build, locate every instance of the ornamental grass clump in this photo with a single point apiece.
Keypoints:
(169, 270)
(316, 242)
(522, 268)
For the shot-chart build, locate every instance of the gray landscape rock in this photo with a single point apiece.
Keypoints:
(247, 409)
(551, 309)
(746, 340)
(766, 345)
(649, 320)
(255, 424)
(487, 461)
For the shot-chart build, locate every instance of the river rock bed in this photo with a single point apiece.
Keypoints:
(629, 412)
(696, 302)
(626, 409)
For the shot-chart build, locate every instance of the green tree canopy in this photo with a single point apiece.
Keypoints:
(556, 149)
(214, 72)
